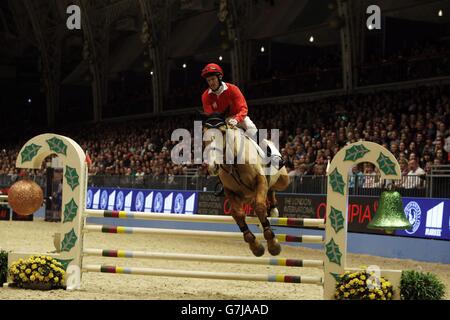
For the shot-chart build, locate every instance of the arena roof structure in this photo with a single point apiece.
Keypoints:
(124, 35)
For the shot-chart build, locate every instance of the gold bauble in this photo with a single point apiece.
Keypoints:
(25, 197)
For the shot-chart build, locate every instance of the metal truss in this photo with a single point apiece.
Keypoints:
(352, 13)
(44, 21)
(21, 27)
(237, 21)
(157, 15)
(95, 24)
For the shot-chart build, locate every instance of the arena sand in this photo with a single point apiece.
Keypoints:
(37, 236)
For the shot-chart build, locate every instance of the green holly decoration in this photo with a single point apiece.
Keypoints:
(69, 241)
(29, 152)
(336, 181)
(57, 145)
(386, 165)
(64, 263)
(336, 219)
(336, 276)
(71, 177)
(70, 211)
(333, 253)
(356, 152)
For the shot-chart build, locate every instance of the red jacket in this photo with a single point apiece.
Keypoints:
(231, 97)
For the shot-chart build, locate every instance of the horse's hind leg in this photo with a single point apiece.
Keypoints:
(272, 211)
(261, 211)
(281, 184)
(283, 181)
(239, 216)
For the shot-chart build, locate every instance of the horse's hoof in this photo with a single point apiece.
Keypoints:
(274, 247)
(258, 250)
(274, 213)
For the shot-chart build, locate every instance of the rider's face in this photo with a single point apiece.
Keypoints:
(213, 82)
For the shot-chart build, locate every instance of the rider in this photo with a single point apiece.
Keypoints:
(220, 95)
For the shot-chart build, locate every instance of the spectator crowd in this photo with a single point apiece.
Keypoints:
(414, 124)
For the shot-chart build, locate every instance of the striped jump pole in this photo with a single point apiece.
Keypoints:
(287, 222)
(203, 274)
(204, 258)
(195, 233)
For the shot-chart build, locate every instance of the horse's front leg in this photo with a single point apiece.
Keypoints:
(239, 216)
(261, 211)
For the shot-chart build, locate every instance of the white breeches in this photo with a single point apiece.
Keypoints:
(249, 128)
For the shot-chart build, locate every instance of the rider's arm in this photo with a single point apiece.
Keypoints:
(239, 104)
(207, 108)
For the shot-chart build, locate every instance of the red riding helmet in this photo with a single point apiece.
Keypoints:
(212, 68)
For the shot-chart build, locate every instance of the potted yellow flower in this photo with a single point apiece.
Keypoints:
(363, 285)
(38, 272)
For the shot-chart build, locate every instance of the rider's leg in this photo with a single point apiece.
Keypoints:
(249, 128)
(272, 152)
(251, 131)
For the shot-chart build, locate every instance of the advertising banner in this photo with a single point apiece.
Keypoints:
(430, 218)
(360, 209)
(163, 201)
(208, 203)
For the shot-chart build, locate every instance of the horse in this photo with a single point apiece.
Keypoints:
(244, 182)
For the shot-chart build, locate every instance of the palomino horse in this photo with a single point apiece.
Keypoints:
(244, 179)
